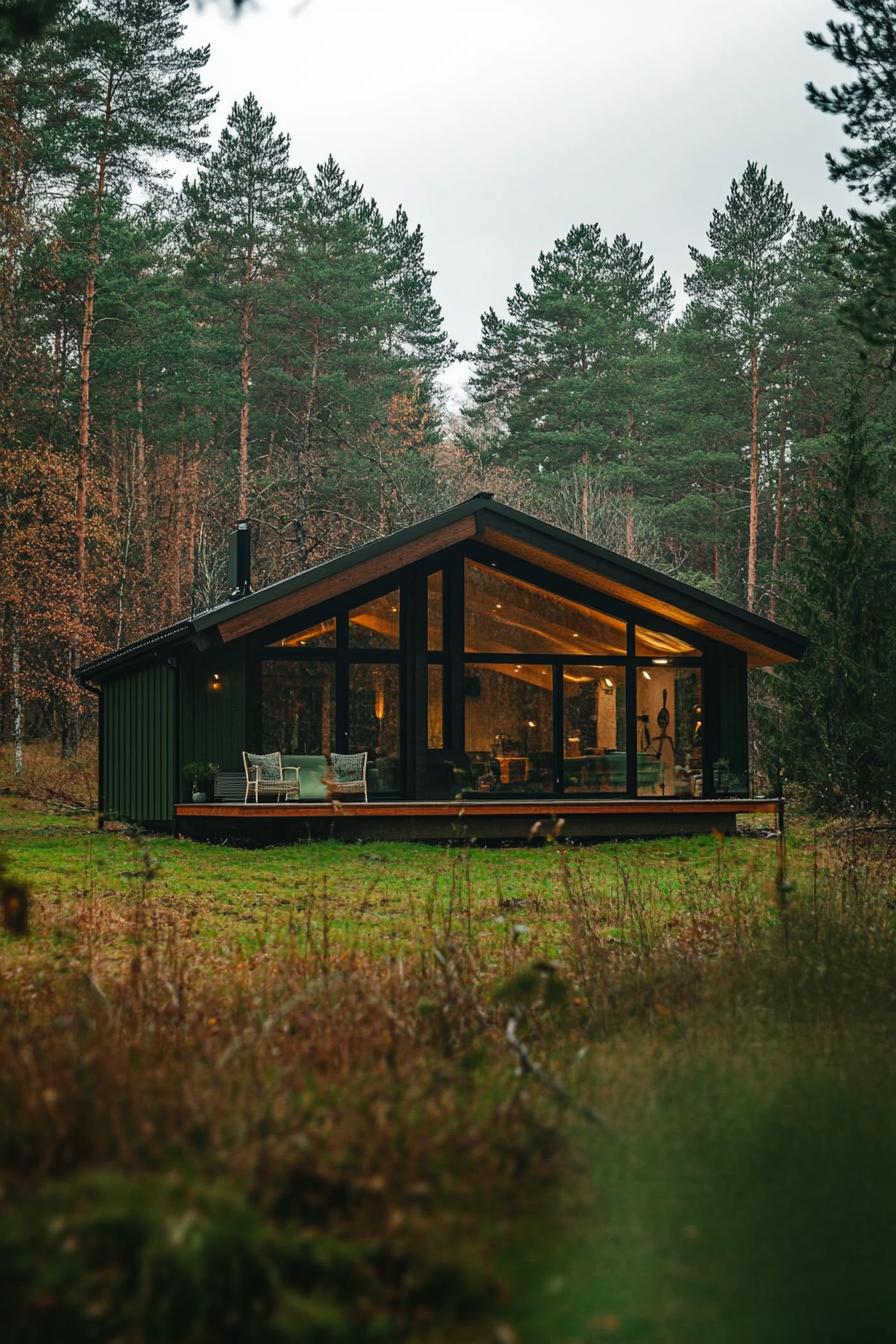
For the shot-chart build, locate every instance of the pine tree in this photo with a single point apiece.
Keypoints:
(238, 209)
(355, 328)
(867, 106)
(865, 43)
(741, 281)
(838, 736)
(565, 371)
(141, 100)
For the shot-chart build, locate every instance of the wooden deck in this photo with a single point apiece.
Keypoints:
(473, 819)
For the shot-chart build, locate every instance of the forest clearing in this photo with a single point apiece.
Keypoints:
(447, 665)
(329, 1092)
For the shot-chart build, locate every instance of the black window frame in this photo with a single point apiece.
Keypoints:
(414, 657)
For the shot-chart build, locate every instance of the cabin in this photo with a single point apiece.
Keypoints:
(503, 677)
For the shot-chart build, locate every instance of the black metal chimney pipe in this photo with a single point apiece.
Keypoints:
(239, 561)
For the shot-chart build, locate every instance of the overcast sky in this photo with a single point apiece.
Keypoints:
(499, 124)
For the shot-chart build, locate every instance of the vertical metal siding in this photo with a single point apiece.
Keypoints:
(138, 744)
(213, 723)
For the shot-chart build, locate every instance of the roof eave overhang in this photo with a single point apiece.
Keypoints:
(765, 642)
(140, 651)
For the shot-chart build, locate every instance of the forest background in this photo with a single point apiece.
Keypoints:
(262, 342)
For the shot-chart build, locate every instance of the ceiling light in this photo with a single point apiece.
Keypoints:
(645, 674)
(659, 662)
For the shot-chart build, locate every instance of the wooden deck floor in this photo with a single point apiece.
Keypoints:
(489, 807)
(472, 820)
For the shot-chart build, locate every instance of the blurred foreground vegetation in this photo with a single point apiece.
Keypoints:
(641, 1092)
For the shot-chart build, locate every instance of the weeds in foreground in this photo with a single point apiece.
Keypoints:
(301, 1141)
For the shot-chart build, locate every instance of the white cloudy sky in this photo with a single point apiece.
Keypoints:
(499, 124)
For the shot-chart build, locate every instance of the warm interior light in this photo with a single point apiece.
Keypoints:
(660, 662)
(608, 682)
(215, 684)
(645, 674)
(532, 723)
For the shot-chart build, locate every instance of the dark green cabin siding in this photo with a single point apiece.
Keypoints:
(213, 723)
(139, 716)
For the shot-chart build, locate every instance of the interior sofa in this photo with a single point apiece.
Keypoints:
(312, 788)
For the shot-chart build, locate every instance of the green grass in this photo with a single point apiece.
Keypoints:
(377, 895)
(272, 1096)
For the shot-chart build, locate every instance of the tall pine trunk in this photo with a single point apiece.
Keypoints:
(245, 379)
(141, 485)
(301, 531)
(15, 679)
(71, 733)
(778, 543)
(753, 537)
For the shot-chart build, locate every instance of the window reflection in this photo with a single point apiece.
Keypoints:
(374, 723)
(670, 732)
(434, 611)
(594, 750)
(435, 707)
(654, 643)
(375, 625)
(298, 707)
(320, 636)
(505, 615)
(509, 736)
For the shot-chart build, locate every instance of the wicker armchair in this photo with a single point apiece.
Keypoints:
(266, 777)
(347, 773)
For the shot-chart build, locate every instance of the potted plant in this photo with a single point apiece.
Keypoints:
(200, 773)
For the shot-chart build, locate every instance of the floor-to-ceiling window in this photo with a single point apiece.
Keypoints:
(298, 707)
(527, 678)
(594, 728)
(547, 696)
(335, 686)
(670, 731)
(509, 727)
(525, 690)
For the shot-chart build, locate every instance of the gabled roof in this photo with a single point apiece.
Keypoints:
(505, 529)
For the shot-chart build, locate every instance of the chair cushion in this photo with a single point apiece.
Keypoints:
(268, 765)
(347, 769)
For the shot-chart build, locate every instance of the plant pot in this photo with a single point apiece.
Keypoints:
(199, 796)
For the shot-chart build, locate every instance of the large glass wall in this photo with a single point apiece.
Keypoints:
(537, 700)
(320, 636)
(594, 729)
(374, 722)
(503, 614)
(670, 731)
(509, 731)
(298, 707)
(375, 624)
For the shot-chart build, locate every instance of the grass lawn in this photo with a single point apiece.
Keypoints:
(392, 1092)
(378, 896)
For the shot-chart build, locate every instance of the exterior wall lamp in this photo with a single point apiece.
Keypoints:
(215, 684)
